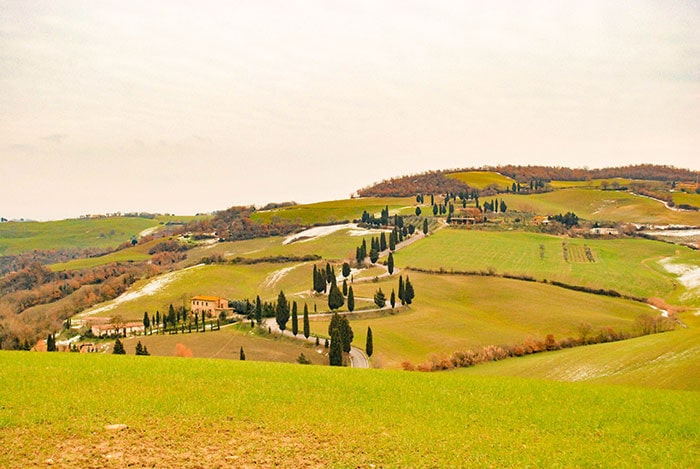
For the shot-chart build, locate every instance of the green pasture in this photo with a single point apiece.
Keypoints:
(235, 282)
(337, 246)
(596, 205)
(227, 342)
(669, 360)
(135, 253)
(482, 179)
(628, 266)
(684, 198)
(453, 312)
(222, 413)
(591, 184)
(18, 237)
(333, 211)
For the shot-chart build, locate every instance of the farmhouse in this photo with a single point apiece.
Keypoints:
(100, 330)
(209, 305)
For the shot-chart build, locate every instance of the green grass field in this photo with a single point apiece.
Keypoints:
(333, 211)
(337, 246)
(589, 204)
(666, 360)
(17, 237)
(222, 413)
(628, 266)
(452, 313)
(482, 179)
(592, 184)
(227, 342)
(229, 281)
(680, 198)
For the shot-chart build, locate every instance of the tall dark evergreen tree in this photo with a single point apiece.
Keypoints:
(345, 287)
(335, 298)
(390, 263)
(118, 348)
(241, 354)
(392, 299)
(307, 327)
(425, 226)
(50, 343)
(146, 321)
(380, 298)
(295, 319)
(329, 272)
(401, 291)
(335, 355)
(343, 325)
(346, 270)
(409, 293)
(258, 310)
(382, 242)
(282, 311)
(351, 300)
(373, 256)
(392, 240)
(369, 345)
(171, 314)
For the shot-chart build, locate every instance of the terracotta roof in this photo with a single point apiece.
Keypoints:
(207, 298)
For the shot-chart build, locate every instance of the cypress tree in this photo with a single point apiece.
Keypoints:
(401, 290)
(418, 211)
(373, 255)
(335, 355)
(382, 242)
(425, 226)
(351, 300)
(329, 272)
(282, 311)
(307, 327)
(258, 310)
(157, 318)
(171, 314)
(346, 269)
(369, 346)
(409, 294)
(241, 354)
(335, 298)
(345, 287)
(118, 348)
(379, 298)
(392, 240)
(50, 343)
(295, 319)
(146, 321)
(390, 263)
(392, 299)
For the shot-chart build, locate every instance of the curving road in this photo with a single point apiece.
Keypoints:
(358, 359)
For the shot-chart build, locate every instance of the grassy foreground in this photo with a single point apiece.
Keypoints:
(211, 413)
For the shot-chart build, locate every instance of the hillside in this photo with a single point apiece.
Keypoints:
(193, 413)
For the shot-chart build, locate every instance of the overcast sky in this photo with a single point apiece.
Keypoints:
(189, 107)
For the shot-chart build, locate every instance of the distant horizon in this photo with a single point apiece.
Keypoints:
(107, 213)
(160, 106)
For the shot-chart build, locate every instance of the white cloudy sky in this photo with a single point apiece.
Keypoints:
(184, 106)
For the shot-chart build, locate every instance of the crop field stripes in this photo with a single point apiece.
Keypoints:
(577, 254)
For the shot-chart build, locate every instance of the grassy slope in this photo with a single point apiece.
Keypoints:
(482, 179)
(134, 253)
(688, 199)
(625, 265)
(229, 281)
(194, 413)
(335, 246)
(600, 205)
(453, 313)
(661, 361)
(17, 237)
(333, 211)
(593, 183)
(227, 343)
